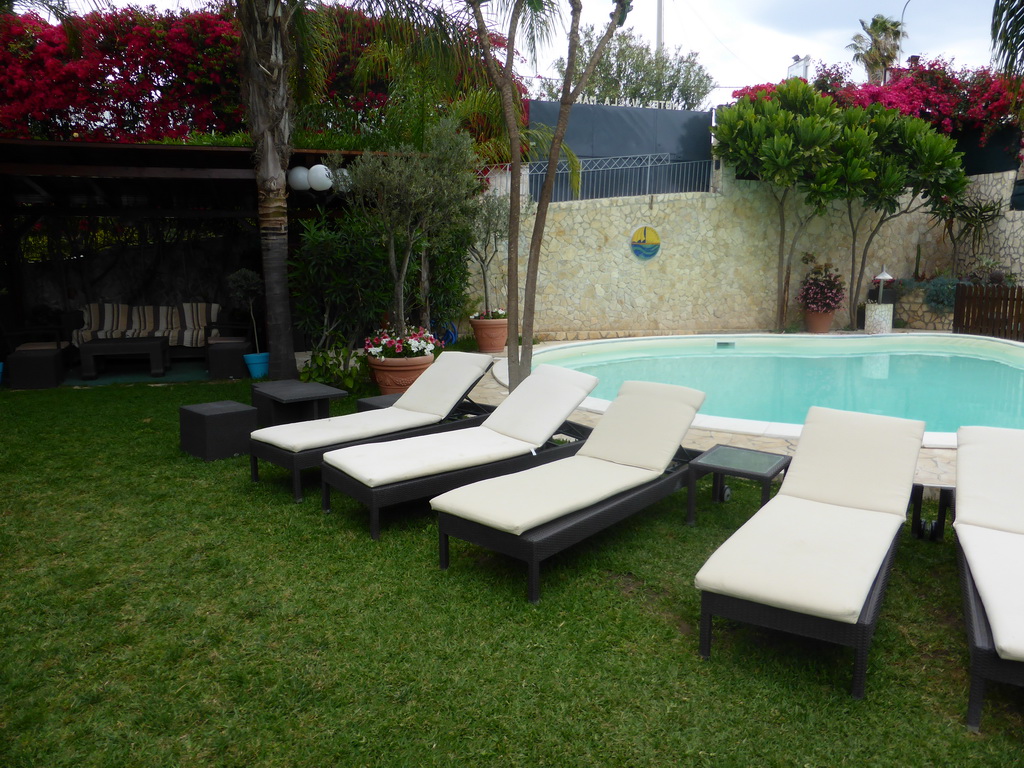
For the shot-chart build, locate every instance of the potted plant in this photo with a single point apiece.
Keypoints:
(821, 293)
(245, 287)
(397, 359)
(490, 326)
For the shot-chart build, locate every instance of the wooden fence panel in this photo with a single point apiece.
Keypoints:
(989, 310)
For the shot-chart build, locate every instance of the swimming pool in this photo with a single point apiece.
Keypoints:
(947, 381)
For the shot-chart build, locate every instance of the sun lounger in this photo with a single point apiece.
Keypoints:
(815, 560)
(632, 459)
(990, 541)
(437, 400)
(517, 435)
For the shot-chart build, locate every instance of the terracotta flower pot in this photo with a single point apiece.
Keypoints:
(818, 322)
(491, 335)
(394, 375)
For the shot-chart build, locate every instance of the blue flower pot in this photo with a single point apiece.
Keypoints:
(258, 364)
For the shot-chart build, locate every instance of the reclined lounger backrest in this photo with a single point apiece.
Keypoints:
(448, 379)
(855, 460)
(535, 409)
(645, 425)
(990, 484)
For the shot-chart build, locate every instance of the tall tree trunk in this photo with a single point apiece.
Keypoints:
(520, 359)
(266, 60)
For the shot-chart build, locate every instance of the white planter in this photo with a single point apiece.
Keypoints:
(878, 318)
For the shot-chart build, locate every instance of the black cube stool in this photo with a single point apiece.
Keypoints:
(216, 430)
(35, 368)
(224, 357)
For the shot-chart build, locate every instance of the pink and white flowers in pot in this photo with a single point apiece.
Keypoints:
(386, 343)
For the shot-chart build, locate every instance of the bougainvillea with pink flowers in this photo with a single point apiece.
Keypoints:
(950, 99)
(138, 76)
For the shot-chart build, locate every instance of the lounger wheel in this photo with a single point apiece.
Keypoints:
(726, 493)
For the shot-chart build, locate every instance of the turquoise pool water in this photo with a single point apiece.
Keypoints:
(947, 381)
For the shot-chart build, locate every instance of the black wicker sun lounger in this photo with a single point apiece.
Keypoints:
(990, 549)
(518, 434)
(815, 560)
(437, 401)
(631, 460)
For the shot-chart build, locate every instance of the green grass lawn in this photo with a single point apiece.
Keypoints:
(158, 610)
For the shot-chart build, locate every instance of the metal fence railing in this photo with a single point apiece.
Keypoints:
(989, 310)
(603, 177)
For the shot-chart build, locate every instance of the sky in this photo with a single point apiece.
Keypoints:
(748, 42)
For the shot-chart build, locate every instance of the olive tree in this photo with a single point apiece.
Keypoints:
(408, 198)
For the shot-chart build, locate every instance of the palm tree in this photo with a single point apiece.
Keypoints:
(1008, 36)
(878, 48)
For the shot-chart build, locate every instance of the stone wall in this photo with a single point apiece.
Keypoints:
(716, 269)
(912, 312)
(1004, 244)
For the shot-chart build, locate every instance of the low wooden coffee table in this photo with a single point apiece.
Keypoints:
(155, 347)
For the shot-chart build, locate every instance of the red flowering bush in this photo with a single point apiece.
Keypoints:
(138, 76)
(951, 100)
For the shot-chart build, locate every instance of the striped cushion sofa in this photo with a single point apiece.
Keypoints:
(185, 325)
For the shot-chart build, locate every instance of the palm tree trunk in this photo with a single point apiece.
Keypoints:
(266, 57)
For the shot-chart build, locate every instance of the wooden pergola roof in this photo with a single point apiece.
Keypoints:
(49, 178)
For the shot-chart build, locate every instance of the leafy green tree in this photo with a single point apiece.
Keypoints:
(878, 47)
(889, 165)
(632, 72)
(783, 140)
(874, 164)
(490, 229)
(407, 198)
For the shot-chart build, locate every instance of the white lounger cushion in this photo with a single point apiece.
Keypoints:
(525, 420)
(990, 483)
(428, 400)
(524, 500)
(542, 401)
(632, 444)
(997, 565)
(644, 425)
(855, 460)
(376, 464)
(305, 435)
(816, 548)
(803, 556)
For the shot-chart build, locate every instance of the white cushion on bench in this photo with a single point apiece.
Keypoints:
(376, 464)
(990, 483)
(805, 556)
(305, 435)
(524, 500)
(997, 565)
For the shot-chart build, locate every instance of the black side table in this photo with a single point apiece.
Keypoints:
(290, 400)
(725, 460)
(216, 430)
